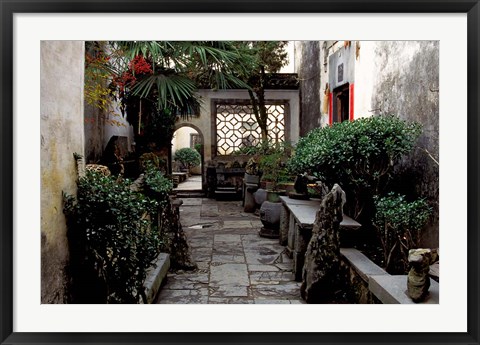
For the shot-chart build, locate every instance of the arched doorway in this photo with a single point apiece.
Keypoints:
(188, 136)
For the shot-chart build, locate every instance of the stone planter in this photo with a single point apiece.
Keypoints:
(250, 186)
(251, 179)
(270, 217)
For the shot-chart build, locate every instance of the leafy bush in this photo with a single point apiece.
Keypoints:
(198, 148)
(112, 240)
(359, 155)
(272, 163)
(188, 157)
(148, 159)
(399, 224)
(156, 182)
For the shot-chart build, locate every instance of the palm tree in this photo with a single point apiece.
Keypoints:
(177, 70)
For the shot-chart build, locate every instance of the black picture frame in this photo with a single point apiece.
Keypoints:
(9, 7)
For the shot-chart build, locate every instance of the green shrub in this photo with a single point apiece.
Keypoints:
(156, 182)
(112, 240)
(359, 155)
(148, 159)
(272, 163)
(399, 224)
(198, 148)
(188, 157)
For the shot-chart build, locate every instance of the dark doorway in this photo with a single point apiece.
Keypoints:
(341, 101)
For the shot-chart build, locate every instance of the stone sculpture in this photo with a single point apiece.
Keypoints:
(322, 259)
(418, 281)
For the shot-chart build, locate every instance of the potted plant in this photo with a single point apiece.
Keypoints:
(273, 169)
(188, 157)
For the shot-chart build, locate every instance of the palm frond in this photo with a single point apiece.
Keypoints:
(173, 90)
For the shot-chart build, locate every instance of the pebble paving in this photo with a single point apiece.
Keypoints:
(235, 264)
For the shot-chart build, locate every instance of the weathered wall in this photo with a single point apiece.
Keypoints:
(307, 66)
(100, 126)
(390, 77)
(94, 133)
(61, 126)
(409, 87)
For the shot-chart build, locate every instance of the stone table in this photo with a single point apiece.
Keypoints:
(296, 226)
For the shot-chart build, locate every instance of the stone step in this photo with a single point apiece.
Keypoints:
(190, 194)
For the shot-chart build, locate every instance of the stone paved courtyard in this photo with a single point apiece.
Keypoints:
(235, 264)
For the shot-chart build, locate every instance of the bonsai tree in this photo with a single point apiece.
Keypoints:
(359, 155)
(188, 157)
(399, 223)
(272, 163)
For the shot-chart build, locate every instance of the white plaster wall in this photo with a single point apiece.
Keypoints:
(62, 134)
(181, 138)
(366, 70)
(204, 121)
(116, 124)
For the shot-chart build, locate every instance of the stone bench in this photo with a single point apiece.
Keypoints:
(374, 285)
(179, 177)
(296, 224)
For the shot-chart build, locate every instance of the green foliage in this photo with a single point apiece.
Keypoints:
(179, 67)
(188, 157)
(148, 159)
(156, 182)
(272, 162)
(259, 58)
(399, 224)
(359, 155)
(198, 148)
(112, 240)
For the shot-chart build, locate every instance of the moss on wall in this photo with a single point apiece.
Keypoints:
(62, 134)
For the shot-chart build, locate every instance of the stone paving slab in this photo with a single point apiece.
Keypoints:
(192, 202)
(270, 278)
(263, 256)
(262, 268)
(230, 300)
(196, 296)
(222, 238)
(235, 265)
(285, 290)
(229, 274)
(276, 301)
(209, 211)
(233, 259)
(229, 291)
(237, 224)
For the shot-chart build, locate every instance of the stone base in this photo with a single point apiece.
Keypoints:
(155, 275)
(297, 196)
(269, 233)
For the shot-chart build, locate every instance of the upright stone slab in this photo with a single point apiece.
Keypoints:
(322, 259)
(180, 255)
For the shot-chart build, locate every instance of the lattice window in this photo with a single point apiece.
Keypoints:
(237, 126)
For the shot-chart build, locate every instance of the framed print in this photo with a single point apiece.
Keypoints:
(340, 64)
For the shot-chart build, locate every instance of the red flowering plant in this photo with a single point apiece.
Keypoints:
(137, 68)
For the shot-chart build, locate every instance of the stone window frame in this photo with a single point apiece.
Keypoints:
(244, 101)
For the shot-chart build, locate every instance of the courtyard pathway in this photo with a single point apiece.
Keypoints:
(235, 265)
